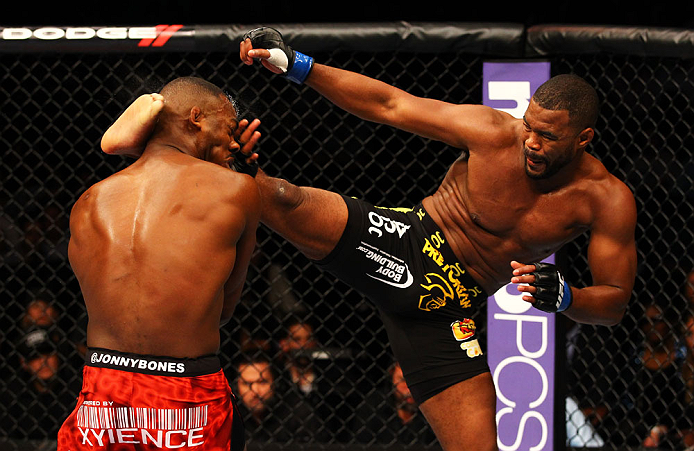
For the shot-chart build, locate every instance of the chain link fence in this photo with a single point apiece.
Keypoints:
(625, 380)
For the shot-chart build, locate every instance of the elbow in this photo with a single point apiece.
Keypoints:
(607, 311)
(608, 319)
(621, 306)
(615, 319)
(615, 316)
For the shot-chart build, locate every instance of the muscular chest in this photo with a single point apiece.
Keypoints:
(504, 206)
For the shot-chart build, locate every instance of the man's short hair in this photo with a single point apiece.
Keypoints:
(572, 93)
(192, 84)
(195, 90)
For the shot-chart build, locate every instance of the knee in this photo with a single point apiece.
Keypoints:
(280, 194)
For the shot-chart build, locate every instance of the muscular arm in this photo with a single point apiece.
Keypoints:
(612, 260)
(461, 126)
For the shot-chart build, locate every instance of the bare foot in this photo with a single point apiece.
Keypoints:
(128, 134)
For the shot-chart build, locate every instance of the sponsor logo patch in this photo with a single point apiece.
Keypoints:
(392, 270)
(446, 285)
(381, 223)
(463, 329)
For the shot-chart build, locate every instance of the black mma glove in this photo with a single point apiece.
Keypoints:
(295, 65)
(240, 165)
(553, 292)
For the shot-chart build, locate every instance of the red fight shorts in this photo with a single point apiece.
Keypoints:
(142, 402)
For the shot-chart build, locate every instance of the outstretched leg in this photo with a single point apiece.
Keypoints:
(128, 134)
(311, 219)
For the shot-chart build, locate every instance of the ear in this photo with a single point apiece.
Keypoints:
(196, 117)
(585, 137)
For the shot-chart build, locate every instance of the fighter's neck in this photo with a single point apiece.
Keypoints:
(576, 168)
(158, 148)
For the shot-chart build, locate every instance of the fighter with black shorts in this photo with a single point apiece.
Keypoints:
(520, 190)
(401, 261)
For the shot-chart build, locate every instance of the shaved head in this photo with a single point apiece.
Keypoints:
(198, 118)
(184, 93)
(572, 93)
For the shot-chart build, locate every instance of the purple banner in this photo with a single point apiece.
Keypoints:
(520, 339)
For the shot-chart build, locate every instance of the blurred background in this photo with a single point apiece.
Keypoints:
(319, 348)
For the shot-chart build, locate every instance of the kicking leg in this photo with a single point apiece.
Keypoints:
(311, 219)
(463, 416)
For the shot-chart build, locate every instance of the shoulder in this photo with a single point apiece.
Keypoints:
(499, 122)
(234, 182)
(607, 187)
(85, 207)
(211, 174)
(613, 201)
(227, 186)
(488, 127)
(89, 196)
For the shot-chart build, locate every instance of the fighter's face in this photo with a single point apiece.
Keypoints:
(550, 142)
(220, 141)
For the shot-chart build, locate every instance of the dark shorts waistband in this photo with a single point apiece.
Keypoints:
(431, 228)
(429, 225)
(152, 365)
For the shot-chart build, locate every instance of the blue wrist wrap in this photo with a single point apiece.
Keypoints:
(566, 299)
(301, 68)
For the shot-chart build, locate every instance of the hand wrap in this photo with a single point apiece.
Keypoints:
(240, 165)
(553, 292)
(295, 65)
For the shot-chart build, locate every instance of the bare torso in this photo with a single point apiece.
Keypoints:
(493, 213)
(152, 247)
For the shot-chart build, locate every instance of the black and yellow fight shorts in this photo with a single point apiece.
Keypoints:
(400, 260)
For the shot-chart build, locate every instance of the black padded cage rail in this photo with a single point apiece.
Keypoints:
(63, 86)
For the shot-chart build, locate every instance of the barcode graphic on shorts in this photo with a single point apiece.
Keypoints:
(141, 417)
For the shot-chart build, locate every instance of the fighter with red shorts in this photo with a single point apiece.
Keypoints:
(154, 403)
(161, 250)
